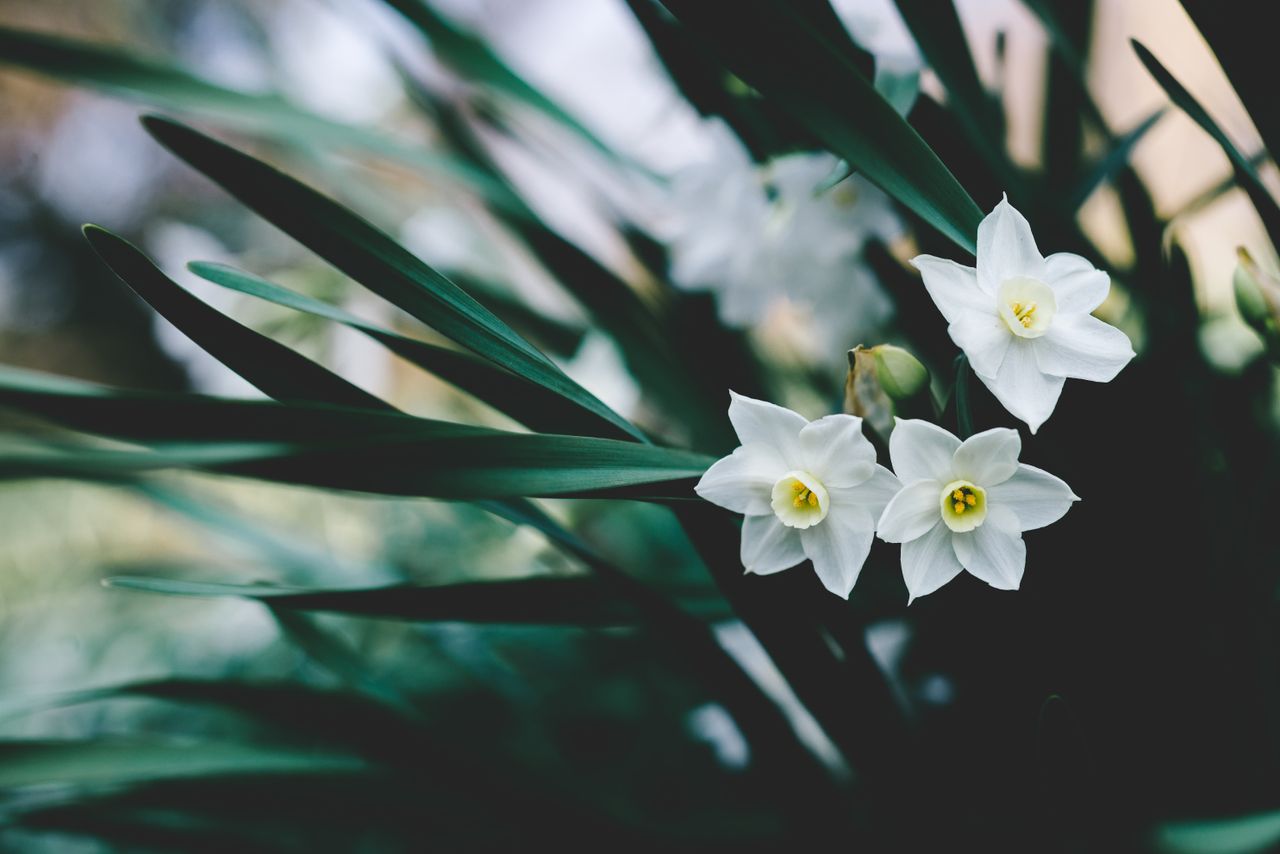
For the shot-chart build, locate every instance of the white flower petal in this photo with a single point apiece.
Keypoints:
(921, 451)
(1022, 388)
(912, 513)
(767, 423)
(742, 481)
(989, 457)
(1006, 248)
(769, 546)
(953, 288)
(993, 554)
(834, 451)
(872, 495)
(1077, 285)
(839, 547)
(929, 562)
(1083, 347)
(1035, 496)
(985, 340)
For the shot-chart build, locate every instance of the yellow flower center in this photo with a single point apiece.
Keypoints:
(964, 505)
(1025, 314)
(1027, 306)
(800, 500)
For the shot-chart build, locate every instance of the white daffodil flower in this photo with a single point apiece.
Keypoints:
(964, 505)
(765, 239)
(1023, 319)
(808, 490)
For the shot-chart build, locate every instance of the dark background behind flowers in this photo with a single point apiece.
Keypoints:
(1124, 699)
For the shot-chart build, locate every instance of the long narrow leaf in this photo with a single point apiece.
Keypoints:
(472, 59)
(533, 601)
(779, 54)
(936, 28)
(372, 258)
(530, 404)
(368, 452)
(27, 763)
(1243, 43)
(1113, 160)
(271, 367)
(1246, 174)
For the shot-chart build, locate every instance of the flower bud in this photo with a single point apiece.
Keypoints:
(900, 374)
(882, 379)
(1258, 298)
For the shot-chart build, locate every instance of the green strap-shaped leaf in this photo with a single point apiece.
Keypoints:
(1246, 173)
(1243, 44)
(583, 601)
(783, 57)
(272, 368)
(335, 448)
(473, 61)
(29, 763)
(127, 75)
(501, 465)
(372, 258)
(524, 401)
(1113, 160)
(179, 417)
(936, 28)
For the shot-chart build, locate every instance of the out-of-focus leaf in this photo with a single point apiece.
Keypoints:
(340, 448)
(652, 352)
(526, 402)
(936, 28)
(372, 258)
(1245, 47)
(1113, 160)
(899, 88)
(474, 62)
(127, 75)
(28, 763)
(1246, 174)
(780, 54)
(534, 601)
(1250, 834)
(273, 368)
(181, 417)
(21, 461)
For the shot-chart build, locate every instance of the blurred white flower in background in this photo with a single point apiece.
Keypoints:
(756, 236)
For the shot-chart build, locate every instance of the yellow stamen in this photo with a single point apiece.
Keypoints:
(970, 499)
(958, 495)
(959, 507)
(813, 499)
(1025, 314)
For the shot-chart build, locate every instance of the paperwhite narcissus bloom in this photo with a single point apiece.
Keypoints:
(767, 237)
(964, 505)
(808, 490)
(1024, 320)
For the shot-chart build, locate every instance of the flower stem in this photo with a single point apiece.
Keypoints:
(964, 418)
